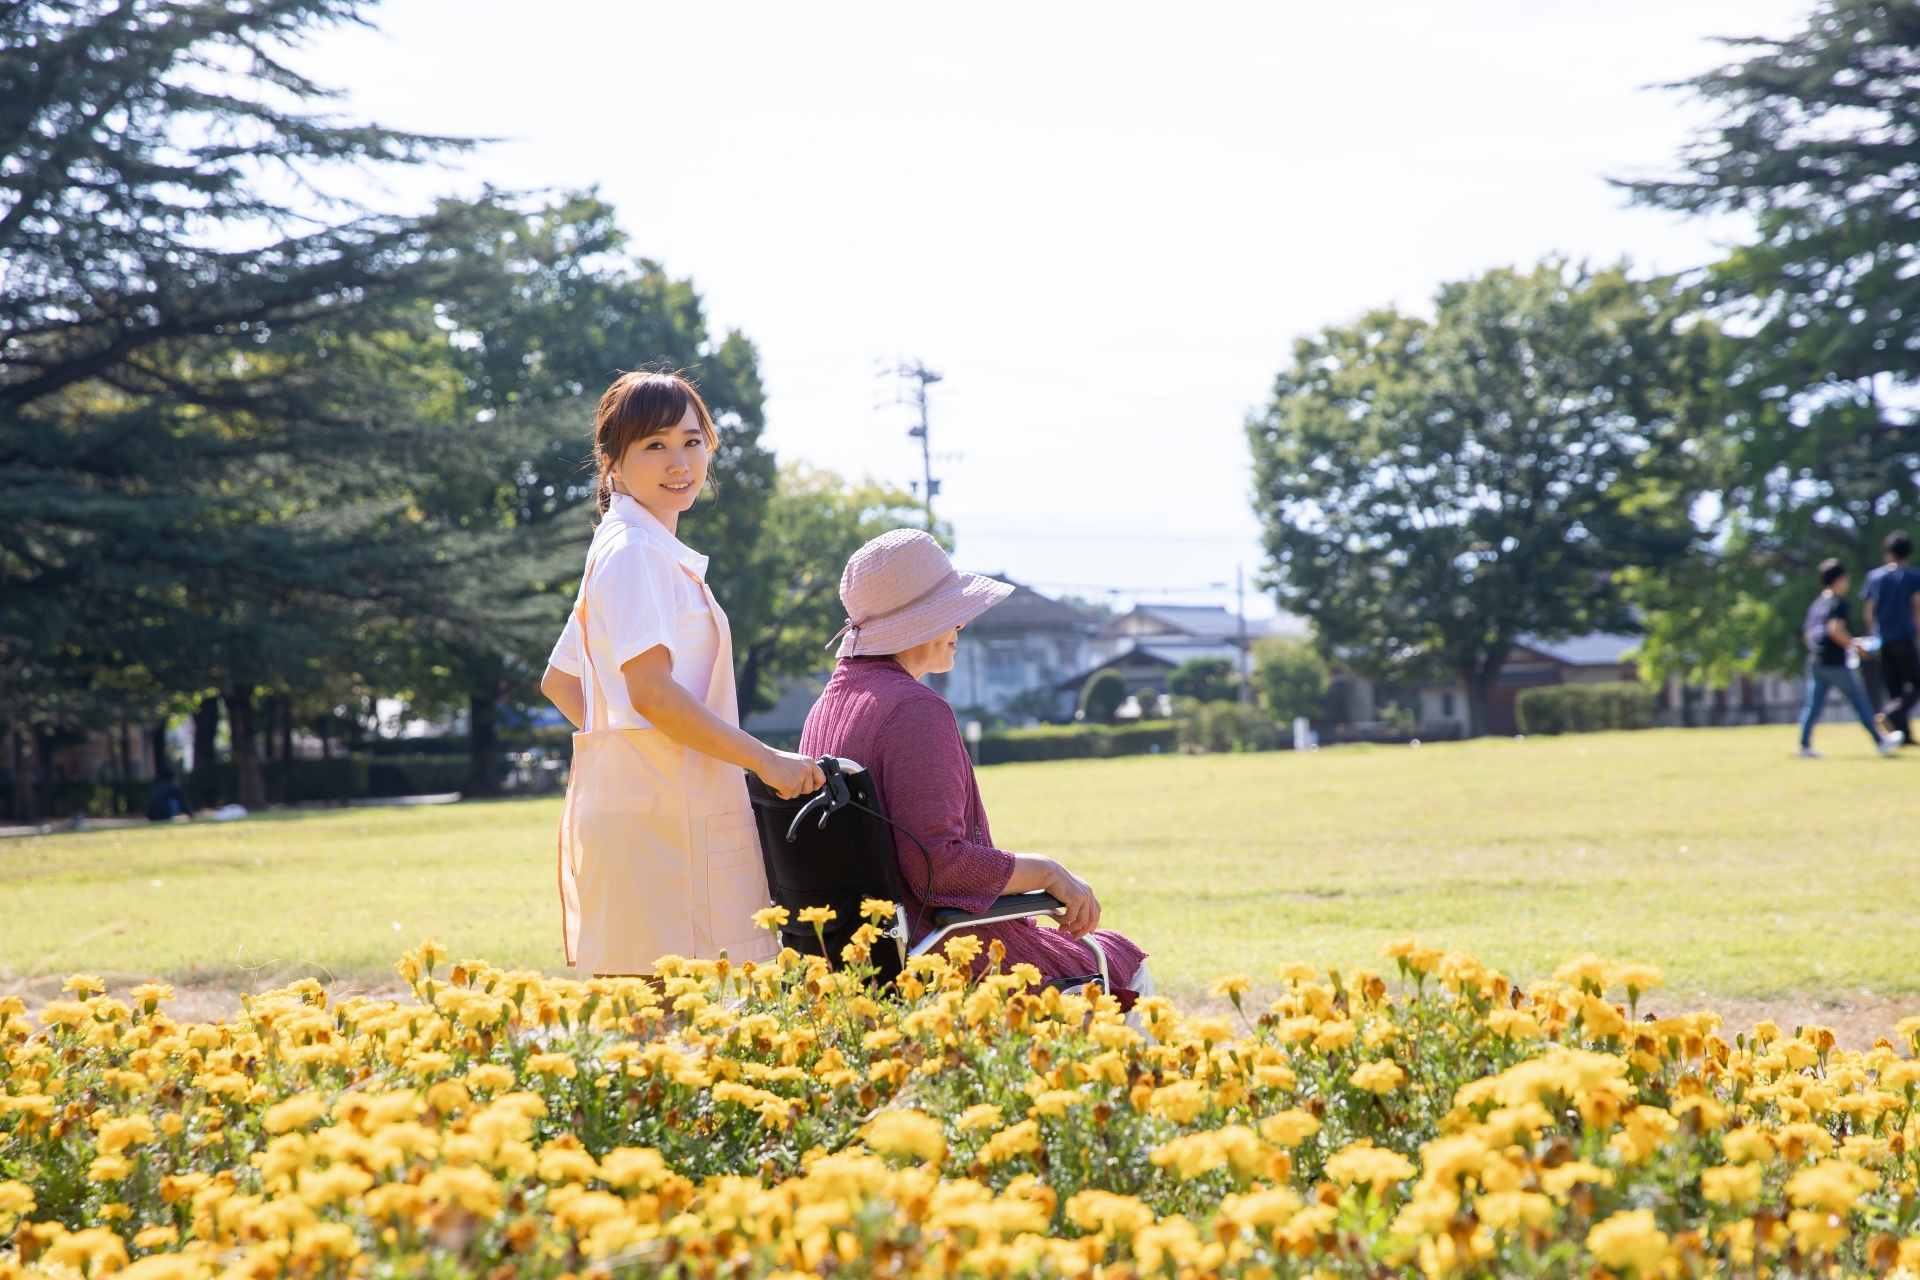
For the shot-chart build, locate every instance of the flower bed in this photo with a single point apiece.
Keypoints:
(782, 1118)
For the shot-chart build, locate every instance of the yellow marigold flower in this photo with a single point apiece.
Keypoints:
(83, 982)
(469, 1186)
(154, 1237)
(818, 915)
(1513, 1024)
(94, 1251)
(553, 1064)
(1015, 1139)
(1561, 1179)
(566, 1164)
(1289, 1128)
(642, 1168)
(1636, 977)
(16, 1202)
(1629, 1241)
(1266, 1209)
(121, 1132)
(983, 1115)
(907, 1133)
(1232, 984)
(1399, 948)
(297, 1112)
(878, 910)
(1747, 1144)
(1362, 1162)
(1731, 1184)
(1054, 1102)
(1508, 1210)
(109, 1169)
(770, 918)
(490, 1077)
(1383, 1076)
(1180, 1101)
(1274, 1075)
(1108, 1213)
(1333, 1036)
(1831, 1185)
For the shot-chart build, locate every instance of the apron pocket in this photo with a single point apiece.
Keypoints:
(736, 879)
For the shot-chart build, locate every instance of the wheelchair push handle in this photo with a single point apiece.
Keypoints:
(829, 800)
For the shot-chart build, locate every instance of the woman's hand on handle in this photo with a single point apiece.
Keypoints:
(789, 774)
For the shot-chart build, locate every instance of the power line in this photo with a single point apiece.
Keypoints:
(971, 532)
(922, 378)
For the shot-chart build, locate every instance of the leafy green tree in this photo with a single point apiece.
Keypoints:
(1207, 679)
(1292, 677)
(1433, 490)
(1818, 141)
(814, 523)
(1102, 694)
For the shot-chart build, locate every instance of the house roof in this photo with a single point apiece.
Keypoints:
(1153, 658)
(1199, 622)
(1027, 608)
(1595, 649)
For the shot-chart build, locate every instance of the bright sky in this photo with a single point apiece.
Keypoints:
(1104, 223)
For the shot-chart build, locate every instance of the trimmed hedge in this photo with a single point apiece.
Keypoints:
(1076, 742)
(1585, 708)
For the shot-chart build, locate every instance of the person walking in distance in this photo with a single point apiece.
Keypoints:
(1829, 644)
(1891, 597)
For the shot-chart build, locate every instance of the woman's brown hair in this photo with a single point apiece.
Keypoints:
(643, 403)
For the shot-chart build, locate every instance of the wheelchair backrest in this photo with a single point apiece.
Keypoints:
(836, 865)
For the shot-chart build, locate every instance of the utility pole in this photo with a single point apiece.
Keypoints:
(1240, 591)
(922, 378)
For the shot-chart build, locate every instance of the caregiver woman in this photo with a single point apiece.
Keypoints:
(658, 854)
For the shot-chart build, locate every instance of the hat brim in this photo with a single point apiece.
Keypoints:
(958, 605)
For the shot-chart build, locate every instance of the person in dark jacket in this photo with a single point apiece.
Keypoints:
(167, 801)
(1830, 643)
(1892, 598)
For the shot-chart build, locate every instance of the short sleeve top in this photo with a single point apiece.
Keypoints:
(643, 592)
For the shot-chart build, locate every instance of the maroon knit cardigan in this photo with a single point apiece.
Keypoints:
(874, 713)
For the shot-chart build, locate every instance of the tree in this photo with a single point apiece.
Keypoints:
(1102, 694)
(1292, 677)
(814, 523)
(1818, 140)
(182, 382)
(1431, 491)
(554, 309)
(1208, 679)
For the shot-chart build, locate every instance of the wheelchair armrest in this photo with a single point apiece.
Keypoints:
(1014, 906)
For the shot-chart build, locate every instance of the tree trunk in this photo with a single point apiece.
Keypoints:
(749, 682)
(246, 749)
(206, 730)
(26, 805)
(157, 743)
(483, 744)
(286, 749)
(1478, 686)
(43, 769)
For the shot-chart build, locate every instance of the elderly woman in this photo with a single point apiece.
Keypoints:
(906, 604)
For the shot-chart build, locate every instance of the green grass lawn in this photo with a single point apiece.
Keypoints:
(1713, 853)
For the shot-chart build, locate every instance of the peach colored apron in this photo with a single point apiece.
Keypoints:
(658, 852)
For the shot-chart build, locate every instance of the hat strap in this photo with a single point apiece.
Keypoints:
(952, 575)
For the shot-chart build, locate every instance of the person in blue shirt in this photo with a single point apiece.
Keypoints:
(1891, 596)
(1830, 641)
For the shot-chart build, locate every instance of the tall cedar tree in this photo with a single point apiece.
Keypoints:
(1819, 141)
(178, 415)
(1433, 491)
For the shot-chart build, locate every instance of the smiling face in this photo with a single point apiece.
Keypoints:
(663, 472)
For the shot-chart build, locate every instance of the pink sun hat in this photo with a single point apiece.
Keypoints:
(900, 590)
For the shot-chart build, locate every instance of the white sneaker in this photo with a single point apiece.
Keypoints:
(1888, 746)
(1808, 753)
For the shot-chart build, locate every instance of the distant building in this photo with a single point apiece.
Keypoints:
(1013, 658)
(1146, 645)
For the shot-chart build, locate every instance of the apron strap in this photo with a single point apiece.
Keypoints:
(595, 698)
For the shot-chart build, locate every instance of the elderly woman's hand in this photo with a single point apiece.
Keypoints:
(1083, 909)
